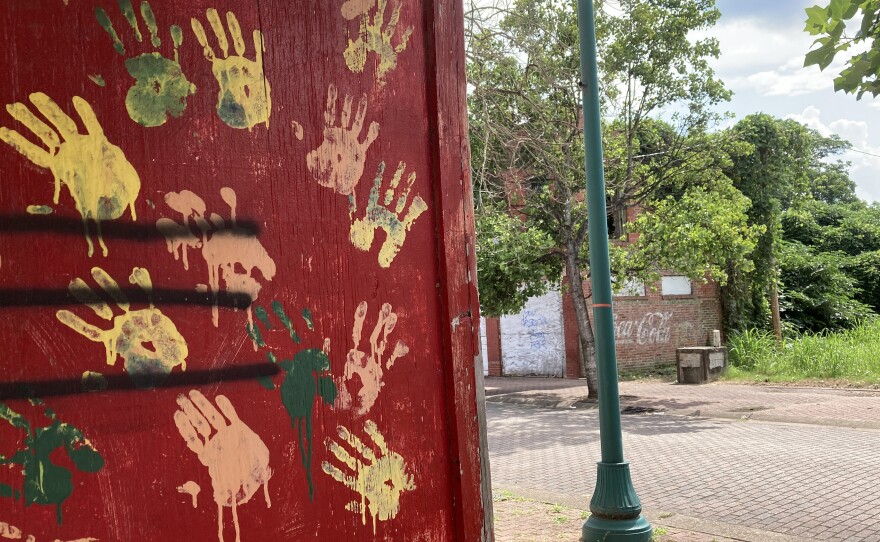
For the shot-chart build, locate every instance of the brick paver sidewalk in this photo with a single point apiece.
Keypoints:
(696, 475)
(798, 481)
(836, 407)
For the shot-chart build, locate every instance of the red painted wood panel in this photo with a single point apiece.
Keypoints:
(237, 273)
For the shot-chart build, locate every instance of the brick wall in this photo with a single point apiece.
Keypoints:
(493, 345)
(649, 328)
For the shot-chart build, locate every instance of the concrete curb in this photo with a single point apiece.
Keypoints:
(762, 416)
(765, 416)
(517, 398)
(665, 518)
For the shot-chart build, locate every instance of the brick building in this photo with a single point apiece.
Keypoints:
(649, 324)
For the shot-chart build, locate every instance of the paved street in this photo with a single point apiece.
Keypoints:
(812, 482)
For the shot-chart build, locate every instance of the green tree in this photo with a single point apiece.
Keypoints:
(830, 246)
(773, 175)
(528, 148)
(817, 293)
(850, 233)
(842, 25)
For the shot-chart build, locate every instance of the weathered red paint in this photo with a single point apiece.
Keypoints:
(426, 406)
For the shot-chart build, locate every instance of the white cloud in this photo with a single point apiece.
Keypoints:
(811, 117)
(865, 165)
(789, 79)
(762, 56)
(750, 45)
(854, 131)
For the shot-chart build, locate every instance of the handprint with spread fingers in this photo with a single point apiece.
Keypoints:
(379, 478)
(245, 98)
(369, 367)
(161, 88)
(306, 378)
(338, 162)
(381, 216)
(147, 340)
(236, 457)
(100, 179)
(372, 38)
(231, 252)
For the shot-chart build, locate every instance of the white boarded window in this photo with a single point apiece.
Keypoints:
(676, 285)
(631, 288)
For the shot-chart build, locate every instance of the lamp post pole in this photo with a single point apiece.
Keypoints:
(615, 507)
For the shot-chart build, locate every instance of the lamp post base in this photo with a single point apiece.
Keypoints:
(616, 510)
(616, 530)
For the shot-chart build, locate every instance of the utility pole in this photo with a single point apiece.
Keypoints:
(615, 508)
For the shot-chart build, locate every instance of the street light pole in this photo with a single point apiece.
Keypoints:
(615, 508)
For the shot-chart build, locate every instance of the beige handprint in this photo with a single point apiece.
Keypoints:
(338, 162)
(372, 37)
(100, 179)
(379, 479)
(369, 368)
(245, 98)
(236, 457)
(379, 215)
(147, 340)
(230, 251)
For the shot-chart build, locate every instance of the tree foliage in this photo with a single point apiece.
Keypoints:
(830, 247)
(528, 148)
(773, 175)
(817, 292)
(510, 254)
(843, 25)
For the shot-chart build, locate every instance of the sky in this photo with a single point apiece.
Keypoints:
(762, 55)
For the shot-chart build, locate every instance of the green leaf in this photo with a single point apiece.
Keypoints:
(821, 57)
(837, 7)
(817, 19)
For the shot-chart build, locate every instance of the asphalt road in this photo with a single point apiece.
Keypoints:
(809, 481)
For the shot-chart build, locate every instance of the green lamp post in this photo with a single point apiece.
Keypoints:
(615, 507)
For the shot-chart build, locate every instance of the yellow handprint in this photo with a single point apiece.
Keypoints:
(244, 99)
(100, 179)
(369, 367)
(379, 215)
(379, 479)
(338, 162)
(237, 458)
(372, 38)
(147, 340)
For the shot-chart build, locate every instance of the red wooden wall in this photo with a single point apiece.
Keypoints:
(236, 272)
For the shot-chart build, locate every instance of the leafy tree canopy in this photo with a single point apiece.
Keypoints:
(844, 25)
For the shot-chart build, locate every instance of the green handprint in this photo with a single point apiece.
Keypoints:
(45, 482)
(306, 376)
(160, 87)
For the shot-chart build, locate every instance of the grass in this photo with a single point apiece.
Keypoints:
(848, 357)
(665, 372)
(505, 495)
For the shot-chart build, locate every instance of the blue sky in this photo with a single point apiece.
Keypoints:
(762, 52)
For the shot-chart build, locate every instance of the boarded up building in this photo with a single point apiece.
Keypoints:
(648, 328)
(650, 322)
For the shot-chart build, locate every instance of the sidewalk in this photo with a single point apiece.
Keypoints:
(838, 407)
(524, 515)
